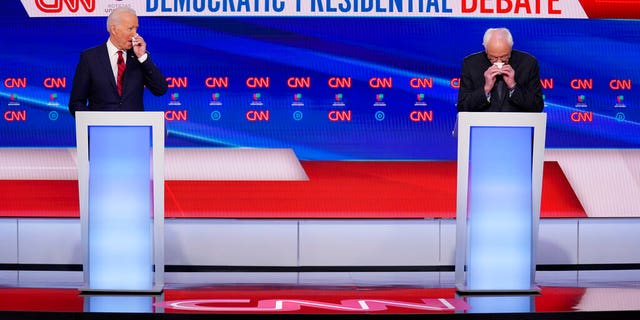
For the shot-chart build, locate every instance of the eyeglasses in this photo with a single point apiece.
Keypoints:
(494, 59)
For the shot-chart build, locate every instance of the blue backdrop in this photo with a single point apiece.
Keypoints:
(589, 69)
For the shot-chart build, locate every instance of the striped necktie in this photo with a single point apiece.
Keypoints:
(121, 67)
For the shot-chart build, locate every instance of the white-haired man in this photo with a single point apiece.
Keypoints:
(112, 76)
(500, 79)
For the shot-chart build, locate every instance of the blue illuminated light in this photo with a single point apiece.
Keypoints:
(120, 206)
(500, 208)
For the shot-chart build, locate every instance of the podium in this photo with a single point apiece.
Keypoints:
(499, 185)
(121, 190)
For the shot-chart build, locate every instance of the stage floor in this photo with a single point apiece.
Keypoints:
(565, 295)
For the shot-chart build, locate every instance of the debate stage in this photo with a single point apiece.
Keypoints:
(258, 232)
(328, 295)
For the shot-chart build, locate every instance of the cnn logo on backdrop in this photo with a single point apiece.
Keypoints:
(57, 6)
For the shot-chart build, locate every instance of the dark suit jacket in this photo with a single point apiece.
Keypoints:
(94, 86)
(527, 96)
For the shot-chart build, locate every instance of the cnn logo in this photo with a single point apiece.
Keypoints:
(56, 6)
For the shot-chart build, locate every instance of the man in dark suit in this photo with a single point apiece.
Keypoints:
(99, 84)
(500, 78)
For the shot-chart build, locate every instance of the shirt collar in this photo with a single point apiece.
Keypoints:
(111, 48)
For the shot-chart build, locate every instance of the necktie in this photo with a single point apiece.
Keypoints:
(500, 89)
(121, 67)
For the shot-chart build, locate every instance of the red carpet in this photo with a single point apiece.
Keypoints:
(336, 189)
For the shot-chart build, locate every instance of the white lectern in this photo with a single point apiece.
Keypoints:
(500, 163)
(121, 188)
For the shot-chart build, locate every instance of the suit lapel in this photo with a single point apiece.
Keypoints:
(130, 65)
(105, 62)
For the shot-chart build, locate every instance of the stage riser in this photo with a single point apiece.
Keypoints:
(313, 243)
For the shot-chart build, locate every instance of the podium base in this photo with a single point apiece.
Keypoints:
(463, 290)
(91, 291)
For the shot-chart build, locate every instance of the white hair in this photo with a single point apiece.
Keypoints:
(114, 16)
(503, 33)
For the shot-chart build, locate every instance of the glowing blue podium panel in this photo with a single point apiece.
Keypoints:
(500, 162)
(121, 188)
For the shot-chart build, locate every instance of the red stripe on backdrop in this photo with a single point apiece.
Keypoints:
(558, 198)
(338, 189)
(39, 198)
(611, 9)
(335, 189)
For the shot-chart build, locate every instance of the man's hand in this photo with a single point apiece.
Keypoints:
(139, 46)
(509, 76)
(490, 77)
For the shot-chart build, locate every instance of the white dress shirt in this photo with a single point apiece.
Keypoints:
(113, 57)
